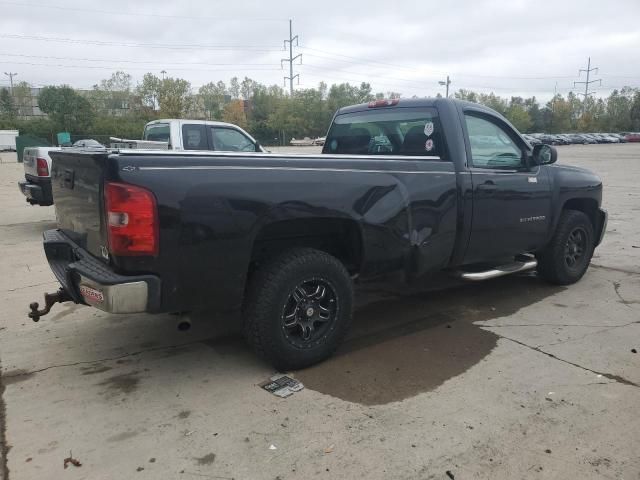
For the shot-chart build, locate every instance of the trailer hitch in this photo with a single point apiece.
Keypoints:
(49, 300)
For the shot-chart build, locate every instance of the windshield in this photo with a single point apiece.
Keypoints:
(158, 132)
(397, 131)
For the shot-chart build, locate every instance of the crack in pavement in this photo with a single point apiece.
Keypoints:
(34, 285)
(591, 333)
(615, 269)
(108, 359)
(628, 303)
(554, 325)
(4, 447)
(610, 376)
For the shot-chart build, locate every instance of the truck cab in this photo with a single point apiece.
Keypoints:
(200, 135)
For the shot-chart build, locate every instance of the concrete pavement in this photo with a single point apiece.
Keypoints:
(511, 378)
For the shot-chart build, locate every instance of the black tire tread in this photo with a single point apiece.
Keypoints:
(262, 294)
(550, 262)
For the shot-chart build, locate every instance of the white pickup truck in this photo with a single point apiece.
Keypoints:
(176, 134)
(36, 186)
(166, 134)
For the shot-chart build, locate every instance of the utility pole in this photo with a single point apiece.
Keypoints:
(291, 58)
(447, 83)
(587, 82)
(163, 73)
(11, 75)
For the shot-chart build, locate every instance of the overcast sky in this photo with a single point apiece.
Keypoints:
(510, 47)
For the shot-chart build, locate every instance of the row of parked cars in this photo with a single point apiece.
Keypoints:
(580, 138)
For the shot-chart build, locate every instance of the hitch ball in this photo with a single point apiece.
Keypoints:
(49, 300)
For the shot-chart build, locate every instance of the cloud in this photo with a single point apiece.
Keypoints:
(513, 48)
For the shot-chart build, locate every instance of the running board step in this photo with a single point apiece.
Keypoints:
(520, 265)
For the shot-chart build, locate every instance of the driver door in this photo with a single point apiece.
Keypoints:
(511, 201)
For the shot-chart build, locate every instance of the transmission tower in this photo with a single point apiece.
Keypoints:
(291, 58)
(587, 82)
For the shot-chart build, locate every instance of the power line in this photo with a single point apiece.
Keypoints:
(195, 46)
(120, 60)
(291, 58)
(112, 68)
(140, 14)
(364, 61)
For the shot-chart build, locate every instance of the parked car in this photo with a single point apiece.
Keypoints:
(281, 237)
(36, 186)
(632, 137)
(621, 138)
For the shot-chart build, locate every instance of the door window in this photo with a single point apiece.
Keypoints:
(231, 140)
(491, 146)
(194, 137)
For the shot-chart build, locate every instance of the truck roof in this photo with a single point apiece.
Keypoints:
(196, 122)
(415, 102)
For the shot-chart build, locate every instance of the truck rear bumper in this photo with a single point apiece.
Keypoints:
(37, 190)
(89, 281)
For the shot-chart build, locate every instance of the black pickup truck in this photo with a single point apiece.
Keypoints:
(410, 187)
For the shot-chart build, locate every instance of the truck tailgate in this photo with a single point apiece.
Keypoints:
(77, 182)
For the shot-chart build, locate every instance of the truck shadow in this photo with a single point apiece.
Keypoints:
(413, 341)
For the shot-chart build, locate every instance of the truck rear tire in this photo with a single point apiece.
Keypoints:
(566, 259)
(298, 308)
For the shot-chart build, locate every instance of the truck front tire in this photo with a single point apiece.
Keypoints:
(298, 308)
(566, 259)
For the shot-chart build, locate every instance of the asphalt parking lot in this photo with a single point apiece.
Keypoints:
(512, 378)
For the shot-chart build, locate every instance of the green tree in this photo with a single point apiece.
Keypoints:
(634, 112)
(113, 95)
(148, 91)
(519, 117)
(22, 99)
(213, 97)
(234, 113)
(68, 110)
(7, 107)
(174, 97)
(346, 94)
(247, 87)
(234, 88)
(467, 95)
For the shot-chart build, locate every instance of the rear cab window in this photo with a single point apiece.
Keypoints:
(194, 137)
(389, 131)
(157, 132)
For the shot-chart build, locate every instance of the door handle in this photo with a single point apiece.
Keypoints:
(487, 186)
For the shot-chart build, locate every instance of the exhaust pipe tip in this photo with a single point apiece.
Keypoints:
(184, 325)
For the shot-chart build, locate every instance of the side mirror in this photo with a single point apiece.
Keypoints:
(544, 154)
(258, 147)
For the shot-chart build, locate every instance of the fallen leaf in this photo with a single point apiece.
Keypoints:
(70, 460)
(329, 449)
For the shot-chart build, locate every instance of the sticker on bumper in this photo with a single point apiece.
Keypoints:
(91, 294)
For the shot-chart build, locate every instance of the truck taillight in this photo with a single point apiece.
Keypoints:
(42, 167)
(132, 220)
